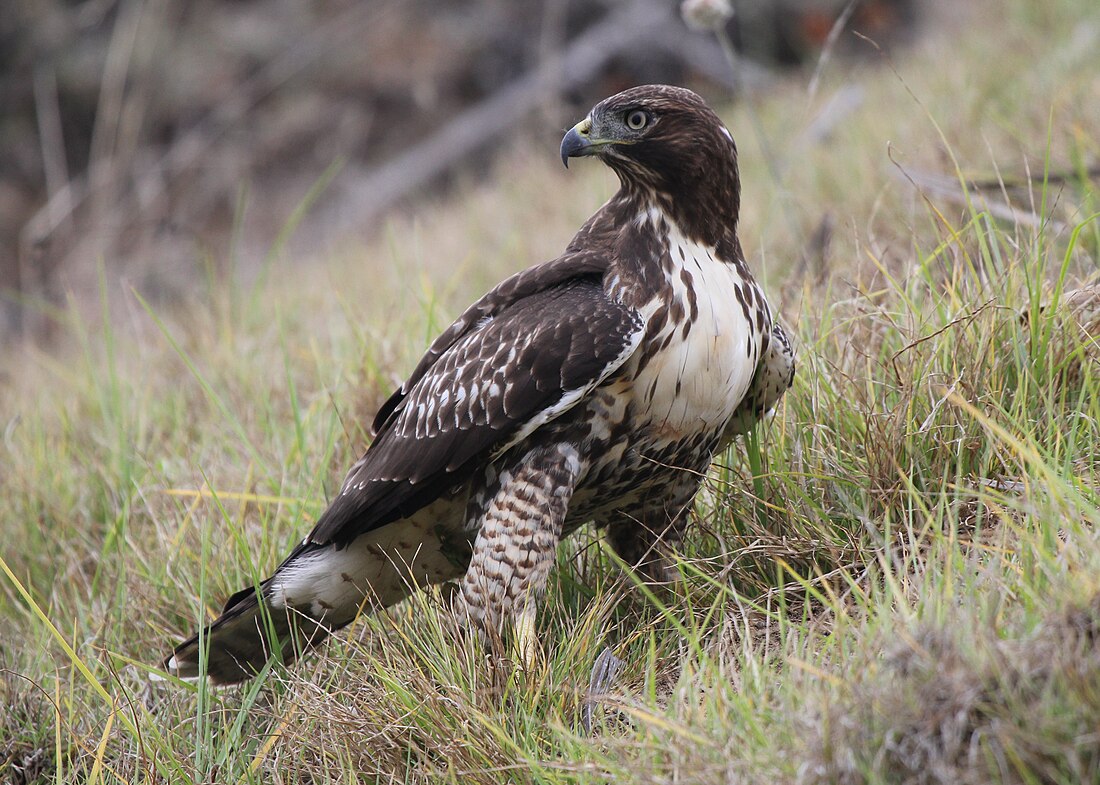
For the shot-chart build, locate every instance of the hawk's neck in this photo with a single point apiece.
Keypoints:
(706, 215)
(651, 245)
(711, 222)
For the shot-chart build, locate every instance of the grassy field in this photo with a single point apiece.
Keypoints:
(897, 579)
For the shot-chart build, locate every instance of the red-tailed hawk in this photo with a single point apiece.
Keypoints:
(593, 388)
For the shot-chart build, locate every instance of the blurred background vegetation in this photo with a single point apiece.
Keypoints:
(158, 138)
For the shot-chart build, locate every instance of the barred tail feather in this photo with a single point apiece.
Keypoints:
(238, 644)
(319, 589)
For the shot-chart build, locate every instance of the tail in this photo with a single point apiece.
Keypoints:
(253, 628)
(240, 642)
(316, 590)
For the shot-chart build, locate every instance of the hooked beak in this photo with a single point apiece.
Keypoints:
(578, 142)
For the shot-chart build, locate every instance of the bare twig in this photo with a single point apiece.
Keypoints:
(112, 90)
(949, 188)
(50, 136)
(830, 44)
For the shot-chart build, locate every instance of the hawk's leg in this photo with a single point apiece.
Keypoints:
(646, 547)
(518, 516)
(647, 543)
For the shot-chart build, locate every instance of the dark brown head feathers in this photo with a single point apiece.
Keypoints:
(667, 146)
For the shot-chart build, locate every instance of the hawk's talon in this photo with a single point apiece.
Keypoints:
(605, 670)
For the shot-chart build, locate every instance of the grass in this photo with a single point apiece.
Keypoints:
(906, 589)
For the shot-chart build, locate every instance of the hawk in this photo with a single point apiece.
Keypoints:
(596, 387)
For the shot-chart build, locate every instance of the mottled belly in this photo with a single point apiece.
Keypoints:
(640, 474)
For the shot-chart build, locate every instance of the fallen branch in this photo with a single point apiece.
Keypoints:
(480, 126)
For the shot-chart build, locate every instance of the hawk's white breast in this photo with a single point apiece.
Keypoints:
(696, 382)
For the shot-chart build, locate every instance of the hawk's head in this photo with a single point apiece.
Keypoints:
(664, 142)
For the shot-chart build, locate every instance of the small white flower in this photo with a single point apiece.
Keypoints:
(706, 15)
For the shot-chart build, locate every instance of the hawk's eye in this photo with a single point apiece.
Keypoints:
(636, 120)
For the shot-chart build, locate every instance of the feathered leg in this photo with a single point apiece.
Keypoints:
(518, 517)
(646, 544)
(646, 547)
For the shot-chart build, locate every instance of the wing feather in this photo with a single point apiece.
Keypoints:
(525, 283)
(518, 366)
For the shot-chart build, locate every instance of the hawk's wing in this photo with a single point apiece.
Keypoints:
(512, 362)
(523, 284)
